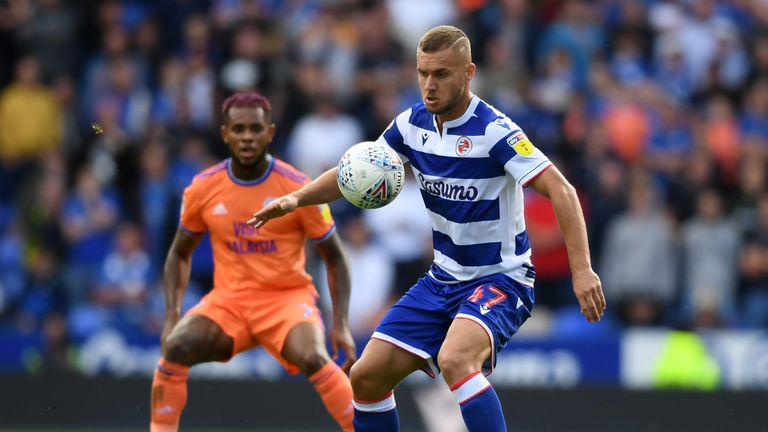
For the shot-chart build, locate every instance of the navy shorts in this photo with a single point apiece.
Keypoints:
(419, 321)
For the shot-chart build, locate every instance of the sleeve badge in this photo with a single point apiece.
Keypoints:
(521, 144)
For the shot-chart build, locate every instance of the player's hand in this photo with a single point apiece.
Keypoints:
(342, 338)
(278, 207)
(589, 292)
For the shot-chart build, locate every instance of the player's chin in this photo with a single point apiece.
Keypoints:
(436, 109)
(247, 162)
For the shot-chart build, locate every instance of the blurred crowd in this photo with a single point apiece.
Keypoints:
(656, 110)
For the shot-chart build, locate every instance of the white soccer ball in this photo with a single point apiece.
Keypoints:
(370, 175)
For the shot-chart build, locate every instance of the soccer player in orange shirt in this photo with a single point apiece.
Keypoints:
(262, 296)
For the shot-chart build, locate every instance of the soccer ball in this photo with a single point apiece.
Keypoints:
(370, 175)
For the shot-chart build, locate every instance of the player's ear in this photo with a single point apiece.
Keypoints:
(470, 71)
(224, 133)
(271, 131)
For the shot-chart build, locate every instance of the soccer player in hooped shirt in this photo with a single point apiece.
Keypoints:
(471, 163)
(262, 295)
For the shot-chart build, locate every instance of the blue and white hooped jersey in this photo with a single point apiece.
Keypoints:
(471, 178)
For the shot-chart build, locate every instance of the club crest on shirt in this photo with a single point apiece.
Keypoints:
(463, 146)
(521, 144)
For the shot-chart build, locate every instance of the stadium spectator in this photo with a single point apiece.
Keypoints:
(43, 209)
(30, 124)
(710, 272)
(638, 264)
(320, 138)
(753, 283)
(123, 284)
(88, 218)
(371, 280)
(157, 202)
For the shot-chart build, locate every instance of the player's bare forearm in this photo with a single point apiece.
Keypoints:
(567, 209)
(178, 266)
(565, 203)
(175, 280)
(339, 283)
(339, 286)
(323, 189)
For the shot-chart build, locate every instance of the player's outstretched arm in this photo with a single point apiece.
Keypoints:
(565, 202)
(339, 286)
(323, 189)
(178, 265)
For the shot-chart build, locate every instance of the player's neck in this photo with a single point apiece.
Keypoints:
(457, 111)
(247, 173)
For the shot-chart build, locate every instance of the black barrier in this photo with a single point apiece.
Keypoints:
(74, 403)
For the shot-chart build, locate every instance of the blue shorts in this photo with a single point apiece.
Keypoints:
(419, 321)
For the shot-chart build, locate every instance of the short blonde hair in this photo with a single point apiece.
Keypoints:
(442, 37)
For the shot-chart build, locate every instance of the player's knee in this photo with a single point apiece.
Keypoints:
(363, 381)
(312, 361)
(454, 366)
(178, 350)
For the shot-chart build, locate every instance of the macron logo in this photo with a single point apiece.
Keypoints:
(484, 309)
(220, 209)
(167, 409)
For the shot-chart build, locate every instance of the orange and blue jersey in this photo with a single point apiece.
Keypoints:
(248, 259)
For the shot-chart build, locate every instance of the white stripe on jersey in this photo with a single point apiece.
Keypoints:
(467, 233)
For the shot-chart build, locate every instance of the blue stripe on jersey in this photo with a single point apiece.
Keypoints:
(522, 244)
(472, 127)
(422, 118)
(502, 152)
(462, 211)
(395, 140)
(481, 254)
(455, 167)
(441, 274)
(488, 115)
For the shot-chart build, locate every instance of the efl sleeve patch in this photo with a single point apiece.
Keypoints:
(521, 144)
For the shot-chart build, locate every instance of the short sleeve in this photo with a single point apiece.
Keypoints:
(393, 138)
(191, 212)
(519, 157)
(317, 221)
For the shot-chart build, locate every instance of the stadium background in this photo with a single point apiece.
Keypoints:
(657, 110)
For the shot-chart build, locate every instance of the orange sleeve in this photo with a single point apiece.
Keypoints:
(317, 221)
(191, 211)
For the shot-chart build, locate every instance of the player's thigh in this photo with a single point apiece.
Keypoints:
(305, 347)
(466, 346)
(380, 368)
(197, 339)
